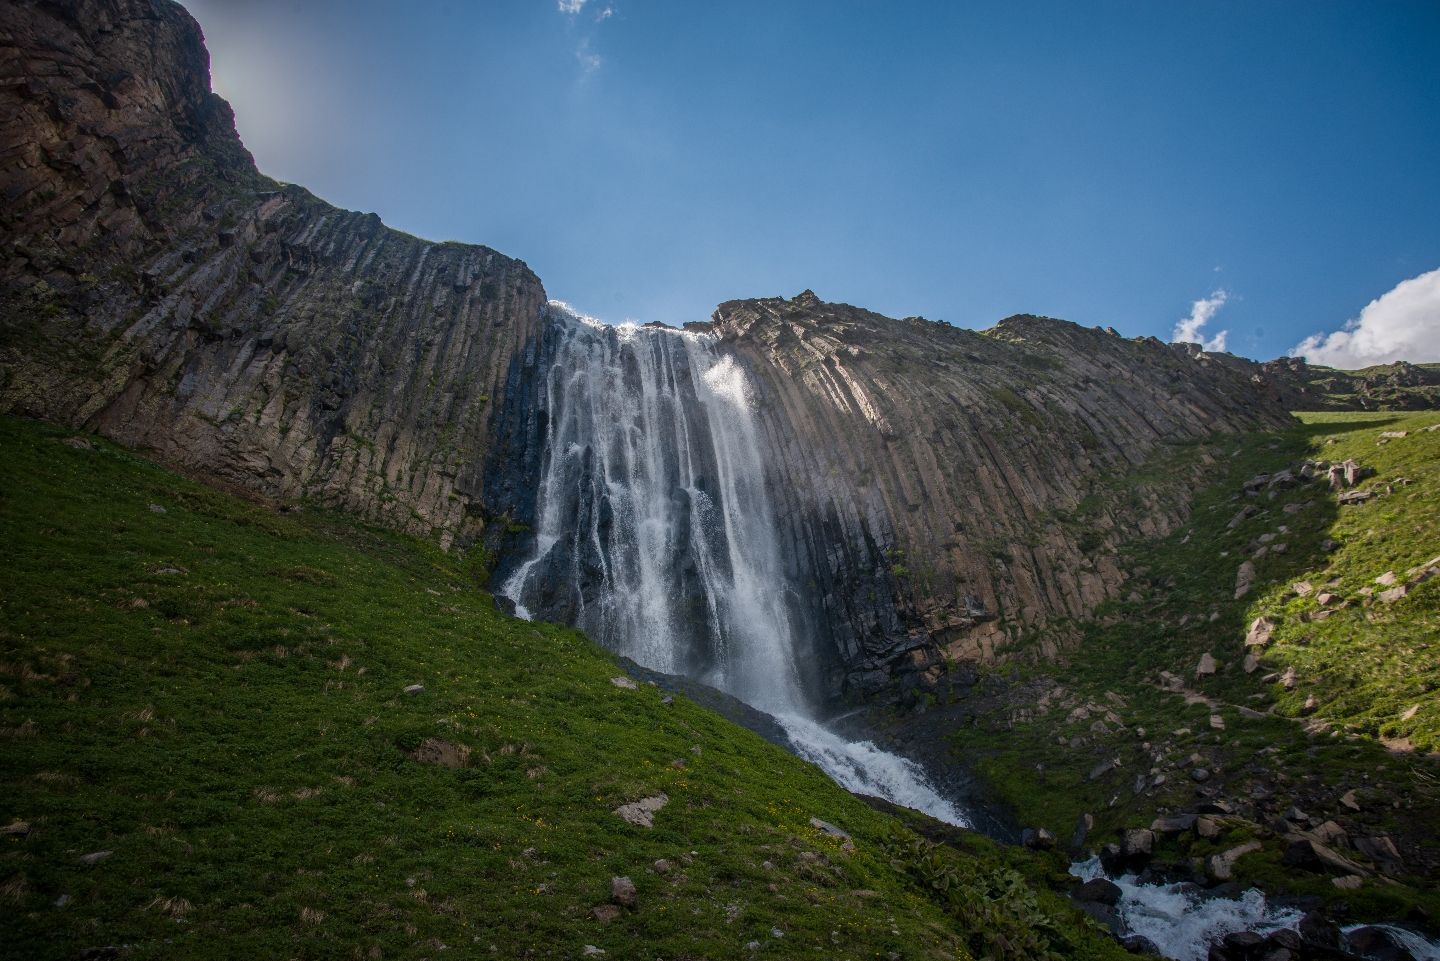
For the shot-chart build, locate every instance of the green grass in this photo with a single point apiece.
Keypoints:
(1369, 672)
(214, 694)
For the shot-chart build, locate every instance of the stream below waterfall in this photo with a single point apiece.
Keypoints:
(655, 534)
(1182, 921)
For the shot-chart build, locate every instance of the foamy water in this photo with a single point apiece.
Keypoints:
(863, 768)
(1183, 926)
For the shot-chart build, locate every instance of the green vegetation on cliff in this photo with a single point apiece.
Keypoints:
(1337, 715)
(207, 742)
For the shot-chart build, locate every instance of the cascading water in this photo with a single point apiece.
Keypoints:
(655, 534)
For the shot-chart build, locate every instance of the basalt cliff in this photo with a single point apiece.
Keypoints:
(941, 493)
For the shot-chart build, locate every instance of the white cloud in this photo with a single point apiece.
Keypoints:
(1403, 324)
(571, 6)
(1188, 330)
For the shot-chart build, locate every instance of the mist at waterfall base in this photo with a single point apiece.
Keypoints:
(655, 534)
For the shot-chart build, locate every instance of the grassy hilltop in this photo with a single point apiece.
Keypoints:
(1335, 703)
(212, 691)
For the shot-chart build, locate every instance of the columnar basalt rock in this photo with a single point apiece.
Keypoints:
(933, 475)
(940, 491)
(155, 288)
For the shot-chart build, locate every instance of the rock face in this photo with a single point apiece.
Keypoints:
(155, 288)
(936, 491)
(935, 480)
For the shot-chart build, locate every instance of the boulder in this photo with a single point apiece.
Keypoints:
(1243, 579)
(1037, 839)
(1098, 889)
(825, 827)
(1260, 630)
(1206, 667)
(1136, 843)
(624, 682)
(1376, 944)
(1283, 939)
(1172, 825)
(1382, 851)
(1220, 866)
(1106, 914)
(1242, 944)
(1102, 769)
(1309, 855)
(622, 892)
(1083, 826)
(1139, 944)
(605, 913)
(1207, 829)
(1315, 928)
(641, 813)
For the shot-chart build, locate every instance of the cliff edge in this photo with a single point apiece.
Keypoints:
(154, 287)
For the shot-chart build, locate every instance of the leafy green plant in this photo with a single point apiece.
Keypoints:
(996, 908)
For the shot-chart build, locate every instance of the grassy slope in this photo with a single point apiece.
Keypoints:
(1365, 666)
(236, 736)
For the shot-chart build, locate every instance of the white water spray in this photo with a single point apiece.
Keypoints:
(1182, 925)
(655, 533)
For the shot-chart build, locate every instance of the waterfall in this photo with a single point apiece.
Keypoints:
(655, 533)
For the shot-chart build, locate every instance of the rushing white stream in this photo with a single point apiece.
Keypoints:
(1183, 925)
(655, 533)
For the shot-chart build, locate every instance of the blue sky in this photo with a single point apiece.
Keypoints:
(1108, 163)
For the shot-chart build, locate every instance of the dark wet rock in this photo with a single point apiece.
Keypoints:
(1083, 826)
(1037, 839)
(1139, 944)
(1285, 938)
(1106, 914)
(1315, 928)
(1242, 943)
(1111, 860)
(1376, 944)
(1098, 889)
